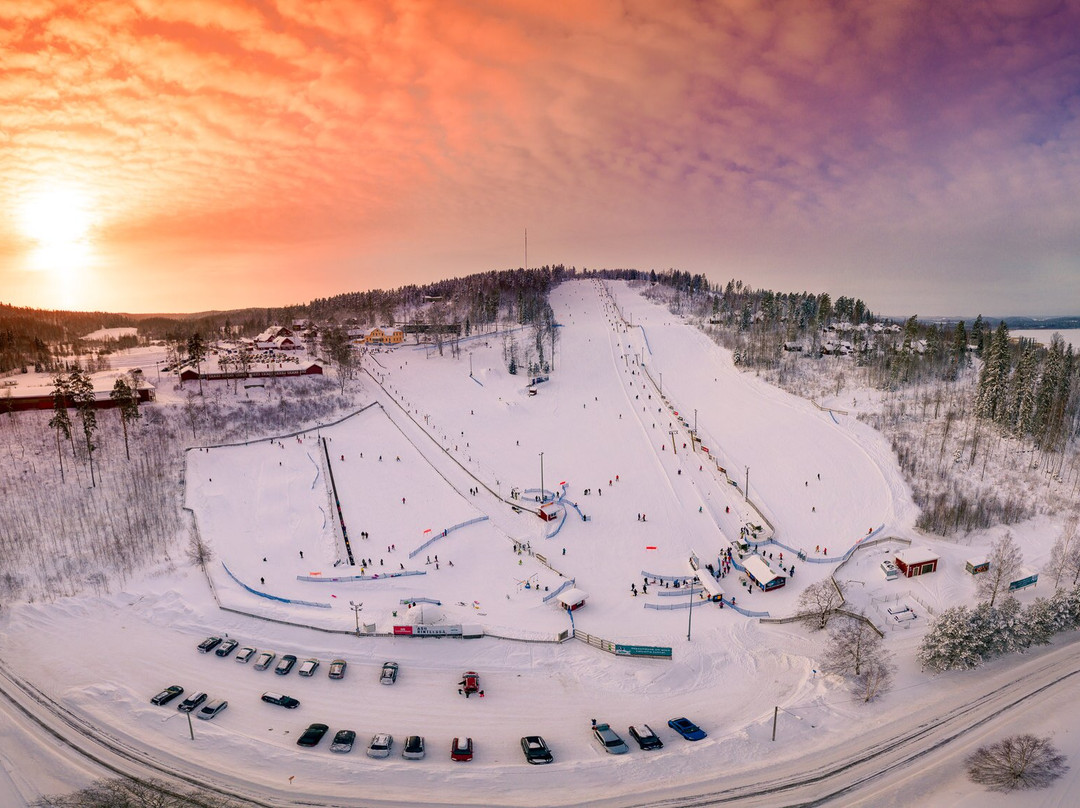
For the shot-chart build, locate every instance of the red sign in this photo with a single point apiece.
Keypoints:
(403, 630)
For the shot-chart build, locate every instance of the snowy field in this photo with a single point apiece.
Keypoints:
(440, 446)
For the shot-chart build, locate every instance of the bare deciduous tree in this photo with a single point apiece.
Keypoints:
(852, 643)
(1065, 555)
(1005, 558)
(120, 793)
(875, 677)
(820, 601)
(1016, 762)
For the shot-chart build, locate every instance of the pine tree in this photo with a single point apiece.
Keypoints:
(196, 349)
(978, 334)
(127, 401)
(993, 381)
(60, 421)
(950, 643)
(1049, 406)
(82, 393)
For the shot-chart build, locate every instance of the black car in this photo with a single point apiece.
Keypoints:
(167, 695)
(285, 664)
(209, 644)
(645, 737)
(191, 702)
(312, 735)
(226, 648)
(280, 700)
(535, 749)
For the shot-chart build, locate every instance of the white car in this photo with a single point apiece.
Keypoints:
(380, 746)
(244, 654)
(308, 667)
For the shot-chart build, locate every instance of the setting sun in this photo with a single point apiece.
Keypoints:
(55, 216)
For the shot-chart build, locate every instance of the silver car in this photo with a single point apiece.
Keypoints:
(262, 662)
(212, 708)
(380, 746)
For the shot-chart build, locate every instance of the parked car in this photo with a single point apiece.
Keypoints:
(687, 728)
(337, 669)
(262, 662)
(312, 735)
(308, 667)
(244, 654)
(167, 695)
(380, 745)
(413, 748)
(285, 664)
(212, 708)
(535, 749)
(470, 682)
(461, 749)
(343, 741)
(610, 740)
(389, 673)
(209, 644)
(645, 737)
(191, 702)
(226, 647)
(280, 700)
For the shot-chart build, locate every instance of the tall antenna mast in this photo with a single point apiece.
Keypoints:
(526, 248)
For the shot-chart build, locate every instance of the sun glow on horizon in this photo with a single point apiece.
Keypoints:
(55, 215)
(59, 220)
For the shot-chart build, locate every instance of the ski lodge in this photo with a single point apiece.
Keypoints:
(760, 573)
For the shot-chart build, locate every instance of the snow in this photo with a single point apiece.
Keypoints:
(111, 333)
(819, 482)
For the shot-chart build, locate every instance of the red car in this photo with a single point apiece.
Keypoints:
(461, 749)
(470, 682)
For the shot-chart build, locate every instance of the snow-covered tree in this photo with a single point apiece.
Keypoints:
(993, 381)
(999, 630)
(951, 642)
(1017, 762)
(1005, 558)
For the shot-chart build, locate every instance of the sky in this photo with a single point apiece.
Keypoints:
(182, 156)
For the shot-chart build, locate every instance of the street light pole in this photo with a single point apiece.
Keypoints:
(746, 493)
(542, 492)
(356, 607)
(690, 617)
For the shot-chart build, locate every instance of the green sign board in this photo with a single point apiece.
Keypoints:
(643, 650)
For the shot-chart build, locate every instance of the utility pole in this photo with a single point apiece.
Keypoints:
(661, 384)
(746, 493)
(543, 493)
(695, 422)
